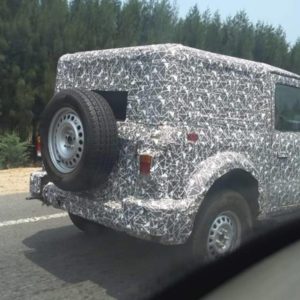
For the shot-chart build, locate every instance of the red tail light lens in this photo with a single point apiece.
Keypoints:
(145, 164)
(38, 147)
(192, 137)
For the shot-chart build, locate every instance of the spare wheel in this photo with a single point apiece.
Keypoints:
(79, 139)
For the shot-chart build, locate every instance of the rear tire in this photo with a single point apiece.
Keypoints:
(221, 225)
(85, 225)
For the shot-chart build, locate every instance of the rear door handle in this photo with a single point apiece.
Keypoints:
(282, 154)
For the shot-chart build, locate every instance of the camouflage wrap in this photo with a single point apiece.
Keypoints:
(172, 91)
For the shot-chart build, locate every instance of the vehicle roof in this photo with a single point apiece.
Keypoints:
(182, 52)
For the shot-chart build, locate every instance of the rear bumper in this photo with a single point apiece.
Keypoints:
(167, 221)
(37, 182)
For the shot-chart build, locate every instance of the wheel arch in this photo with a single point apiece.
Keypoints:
(227, 170)
(239, 181)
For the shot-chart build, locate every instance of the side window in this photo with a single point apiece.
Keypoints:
(287, 108)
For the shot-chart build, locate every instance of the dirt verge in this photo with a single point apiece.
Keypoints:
(13, 181)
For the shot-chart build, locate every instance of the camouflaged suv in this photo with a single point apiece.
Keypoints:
(171, 144)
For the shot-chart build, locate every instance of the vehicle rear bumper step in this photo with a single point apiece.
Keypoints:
(167, 221)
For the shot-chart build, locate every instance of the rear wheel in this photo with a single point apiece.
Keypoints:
(85, 225)
(221, 225)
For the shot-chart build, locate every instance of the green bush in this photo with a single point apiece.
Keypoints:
(13, 152)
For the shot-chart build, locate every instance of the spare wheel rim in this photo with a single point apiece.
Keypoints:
(66, 140)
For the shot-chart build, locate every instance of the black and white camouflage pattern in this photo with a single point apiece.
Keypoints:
(174, 90)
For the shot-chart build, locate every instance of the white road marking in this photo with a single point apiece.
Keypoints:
(32, 220)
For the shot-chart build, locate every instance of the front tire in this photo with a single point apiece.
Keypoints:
(221, 225)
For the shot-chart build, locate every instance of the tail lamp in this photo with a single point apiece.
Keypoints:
(192, 137)
(145, 164)
(38, 146)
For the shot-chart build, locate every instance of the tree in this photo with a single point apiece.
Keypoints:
(294, 64)
(130, 23)
(35, 33)
(213, 32)
(162, 21)
(270, 45)
(238, 36)
(192, 29)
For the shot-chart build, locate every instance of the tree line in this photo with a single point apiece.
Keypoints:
(35, 33)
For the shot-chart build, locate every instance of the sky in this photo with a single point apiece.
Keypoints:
(285, 13)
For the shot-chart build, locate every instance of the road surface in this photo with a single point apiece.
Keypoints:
(43, 256)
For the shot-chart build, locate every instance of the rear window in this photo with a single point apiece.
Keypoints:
(287, 108)
(117, 101)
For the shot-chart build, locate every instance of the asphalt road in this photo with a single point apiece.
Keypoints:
(44, 257)
(51, 259)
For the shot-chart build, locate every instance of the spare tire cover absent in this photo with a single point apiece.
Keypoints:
(79, 139)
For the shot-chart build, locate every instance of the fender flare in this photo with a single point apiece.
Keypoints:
(214, 167)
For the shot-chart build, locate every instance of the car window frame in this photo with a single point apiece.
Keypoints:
(282, 83)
